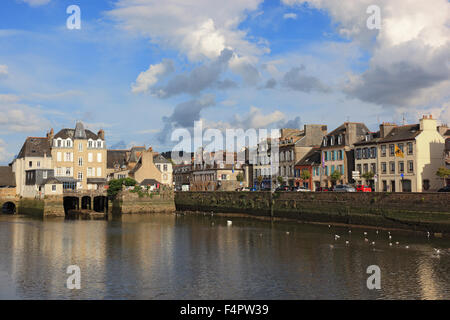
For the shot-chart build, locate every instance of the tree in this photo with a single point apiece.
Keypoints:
(280, 180)
(443, 173)
(305, 175)
(368, 175)
(240, 177)
(115, 185)
(335, 176)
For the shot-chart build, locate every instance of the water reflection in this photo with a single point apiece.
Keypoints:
(200, 257)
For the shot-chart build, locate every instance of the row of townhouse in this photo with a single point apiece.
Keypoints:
(395, 158)
(77, 160)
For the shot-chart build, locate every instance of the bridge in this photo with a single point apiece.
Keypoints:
(9, 204)
(95, 200)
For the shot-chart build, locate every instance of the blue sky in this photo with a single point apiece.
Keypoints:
(140, 69)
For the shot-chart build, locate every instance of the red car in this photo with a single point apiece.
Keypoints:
(363, 188)
(323, 189)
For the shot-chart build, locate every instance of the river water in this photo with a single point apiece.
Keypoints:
(165, 256)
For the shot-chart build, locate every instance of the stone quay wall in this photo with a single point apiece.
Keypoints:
(128, 203)
(413, 211)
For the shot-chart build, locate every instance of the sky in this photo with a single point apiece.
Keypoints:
(139, 69)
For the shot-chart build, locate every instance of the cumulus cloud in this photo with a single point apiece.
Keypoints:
(5, 156)
(36, 3)
(3, 71)
(294, 79)
(409, 64)
(196, 28)
(18, 117)
(290, 16)
(150, 77)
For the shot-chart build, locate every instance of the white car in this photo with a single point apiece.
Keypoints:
(302, 189)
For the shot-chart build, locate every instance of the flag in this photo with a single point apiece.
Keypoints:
(398, 152)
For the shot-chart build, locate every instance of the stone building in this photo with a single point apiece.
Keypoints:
(145, 168)
(79, 155)
(35, 154)
(182, 176)
(165, 167)
(7, 182)
(337, 151)
(311, 163)
(294, 145)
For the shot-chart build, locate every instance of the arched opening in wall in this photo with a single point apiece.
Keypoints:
(86, 203)
(71, 203)
(100, 203)
(9, 208)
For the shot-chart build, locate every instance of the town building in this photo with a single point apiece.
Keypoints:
(310, 163)
(366, 157)
(182, 175)
(166, 169)
(35, 154)
(337, 152)
(79, 156)
(7, 182)
(447, 157)
(145, 171)
(294, 145)
(422, 147)
(260, 165)
(117, 164)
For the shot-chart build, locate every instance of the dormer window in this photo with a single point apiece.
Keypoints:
(325, 141)
(90, 144)
(99, 143)
(68, 143)
(332, 141)
(340, 139)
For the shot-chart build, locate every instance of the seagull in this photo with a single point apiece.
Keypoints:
(377, 231)
(331, 246)
(407, 247)
(390, 237)
(389, 233)
(390, 244)
(365, 233)
(329, 226)
(366, 239)
(373, 243)
(336, 237)
(428, 234)
(287, 232)
(347, 242)
(396, 242)
(437, 250)
(349, 231)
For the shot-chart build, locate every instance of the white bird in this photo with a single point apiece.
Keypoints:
(437, 250)
(366, 239)
(336, 237)
(407, 247)
(212, 223)
(373, 243)
(365, 233)
(389, 233)
(331, 246)
(390, 244)
(390, 237)
(347, 242)
(349, 231)
(377, 231)
(287, 232)
(229, 222)
(329, 226)
(428, 234)
(397, 242)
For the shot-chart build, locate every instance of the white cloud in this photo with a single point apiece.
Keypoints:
(4, 154)
(3, 70)
(198, 28)
(150, 77)
(18, 117)
(36, 3)
(8, 98)
(290, 16)
(395, 76)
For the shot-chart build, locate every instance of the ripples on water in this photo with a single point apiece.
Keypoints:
(199, 257)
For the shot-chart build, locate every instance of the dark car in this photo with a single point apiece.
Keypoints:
(445, 189)
(283, 188)
(343, 188)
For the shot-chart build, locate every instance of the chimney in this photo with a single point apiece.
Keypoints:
(427, 123)
(101, 134)
(386, 128)
(50, 134)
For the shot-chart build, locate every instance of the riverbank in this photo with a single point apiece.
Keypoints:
(426, 212)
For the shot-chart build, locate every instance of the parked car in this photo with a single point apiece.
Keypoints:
(343, 188)
(283, 188)
(253, 189)
(323, 189)
(445, 189)
(363, 188)
(266, 189)
(301, 189)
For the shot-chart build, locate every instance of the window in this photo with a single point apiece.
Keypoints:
(410, 166)
(89, 172)
(38, 164)
(44, 175)
(391, 150)
(333, 155)
(69, 143)
(332, 141)
(358, 168)
(426, 184)
(80, 176)
(325, 155)
(99, 157)
(69, 172)
(325, 141)
(339, 139)
(80, 146)
(392, 166)
(99, 144)
(383, 150)
(30, 164)
(340, 155)
(401, 166)
(53, 187)
(80, 161)
(384, 185)
(165, 167)
(400, 146)
(90, 157)
(58, 156)
(99, 172)
(373, 152)
(224, 177)
(373, 167)
(410, 148)
(158, 166)
(358, 153)
(59, 143)
(68, 156)
(366, 168)
(90, 144)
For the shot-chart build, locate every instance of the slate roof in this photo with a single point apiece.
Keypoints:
(361, 130)
(7, 177)
(400, 133)
(35, 147)
(119, 157)
(160, 159)
(70, 133)
(374, 138)
(310, 159)
(135, 153)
